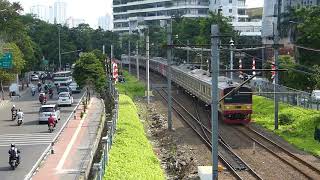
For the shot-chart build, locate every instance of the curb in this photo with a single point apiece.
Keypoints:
(86, 172)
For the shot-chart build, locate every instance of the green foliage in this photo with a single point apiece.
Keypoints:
(285, 119)
(131, 155)
(132, 87)
(299, 130)
(18, 63)
(90, 71)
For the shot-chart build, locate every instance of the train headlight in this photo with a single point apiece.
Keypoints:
(248, 107)
(227, 107)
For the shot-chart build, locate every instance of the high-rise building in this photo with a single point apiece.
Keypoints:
(60, 10)
(105, 22)
(74, 22)
(137, 14)
(40, 11)
(51, 14)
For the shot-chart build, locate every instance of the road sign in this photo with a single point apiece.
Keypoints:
(6, 61)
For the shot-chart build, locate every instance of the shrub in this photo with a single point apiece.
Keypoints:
(286, 119)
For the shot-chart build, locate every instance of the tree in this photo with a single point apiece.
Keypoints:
(90, 71)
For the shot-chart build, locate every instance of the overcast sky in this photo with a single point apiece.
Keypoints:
(90, 10)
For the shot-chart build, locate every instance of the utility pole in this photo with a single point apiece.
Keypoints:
(137, 60)
(188, 52)
(169, 56)
(215, 60)
(276, 59)
(59, 49)
(129, 48)
(231, 57)
(147, 66)
(110, 73)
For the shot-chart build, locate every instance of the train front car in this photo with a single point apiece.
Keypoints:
(237, 107)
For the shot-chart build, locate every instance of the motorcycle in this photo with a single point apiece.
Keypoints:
(39, 89)
(19, 122)
(13, 163)
(33, 92)
(43, 101)
(14, 116)
(51, 127)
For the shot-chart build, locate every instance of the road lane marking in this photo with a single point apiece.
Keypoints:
(26, 139)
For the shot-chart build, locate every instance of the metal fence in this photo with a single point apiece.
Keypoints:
(285, 94)
(100, 167)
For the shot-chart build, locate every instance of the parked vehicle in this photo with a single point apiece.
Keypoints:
(315, 95)
(46, 110)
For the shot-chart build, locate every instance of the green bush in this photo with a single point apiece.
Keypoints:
(285, 119)
(131, 156)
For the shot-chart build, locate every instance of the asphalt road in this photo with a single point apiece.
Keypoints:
(31, 137)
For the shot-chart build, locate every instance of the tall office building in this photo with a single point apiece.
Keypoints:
(40, 11)
(136, 14)
(60, 9)
(105, 22)
(139, 13)
(51, 15)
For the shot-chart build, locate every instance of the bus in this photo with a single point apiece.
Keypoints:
(62, 78)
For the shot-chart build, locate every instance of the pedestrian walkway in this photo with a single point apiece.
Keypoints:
(26, 139)
(74, 148)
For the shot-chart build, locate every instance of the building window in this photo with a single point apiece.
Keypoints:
(230, 1)
(230, 10)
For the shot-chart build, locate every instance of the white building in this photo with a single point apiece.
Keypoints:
(51, 15)
(145, 12)
(138, 13)
(60, 10)
(40, 11)
(105, 22)
(74, 22)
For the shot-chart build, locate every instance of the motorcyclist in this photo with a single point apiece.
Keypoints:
(13, 111)
(42, 97)
(39, 86)
(20, 114)
(51, 120)
(33, 90)
(14, 152)
(50, 92)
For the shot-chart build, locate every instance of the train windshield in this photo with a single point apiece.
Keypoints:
(237, 97)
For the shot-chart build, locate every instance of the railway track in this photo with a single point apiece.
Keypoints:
(232, 161)
(303, 167)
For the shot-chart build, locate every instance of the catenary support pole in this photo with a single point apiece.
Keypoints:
(59, 49)
(147, 66)
(215, 58)
(188, 53)
(231, 58)
(169, 56)
(137, 59)
(276, 57)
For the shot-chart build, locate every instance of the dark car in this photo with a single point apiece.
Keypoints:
(64, 89)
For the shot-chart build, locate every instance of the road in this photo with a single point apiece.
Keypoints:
(31, 138)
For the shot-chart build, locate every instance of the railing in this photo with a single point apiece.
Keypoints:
(100, 167)
(50, 146)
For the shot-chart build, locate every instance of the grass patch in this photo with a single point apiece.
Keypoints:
(298, 123)
(132, 156)
(131, 87)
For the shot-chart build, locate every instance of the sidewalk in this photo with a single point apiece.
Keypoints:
(72, 151)
(7, 98)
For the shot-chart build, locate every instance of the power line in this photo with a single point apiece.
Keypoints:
(307, 48)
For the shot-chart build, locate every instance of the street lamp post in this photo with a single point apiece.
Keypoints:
(59, 49)
(231, 57)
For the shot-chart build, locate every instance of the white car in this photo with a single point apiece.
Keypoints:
(34, 77)
(46, 110)
(315, 95)
(74, 87)
(65, 98)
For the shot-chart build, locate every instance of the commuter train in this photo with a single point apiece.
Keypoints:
(234, 109)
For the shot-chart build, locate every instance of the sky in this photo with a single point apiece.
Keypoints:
(90, 10)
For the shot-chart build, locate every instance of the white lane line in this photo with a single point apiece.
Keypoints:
(73, 139)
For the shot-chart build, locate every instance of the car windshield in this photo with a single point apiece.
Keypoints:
(64, 89)
(47, 109)
(64, 95)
